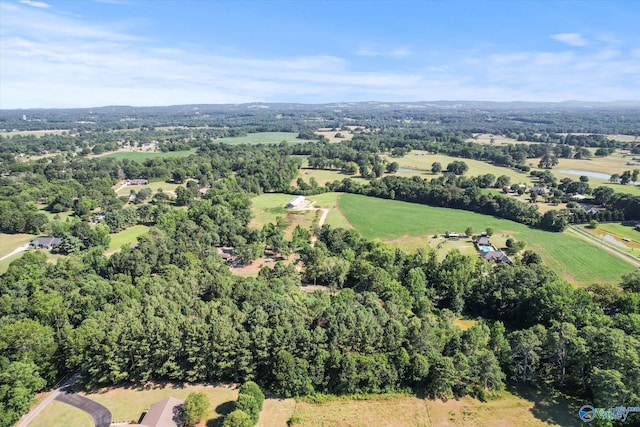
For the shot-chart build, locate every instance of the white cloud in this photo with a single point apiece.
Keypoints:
(572, 39)
(49, 60)
(396, 53)
(39, 4)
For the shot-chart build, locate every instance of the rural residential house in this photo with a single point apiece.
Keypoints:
(496, 256)
(166, 413)
(137, 182)
(45, 242)
(539, 190)
(295, 202)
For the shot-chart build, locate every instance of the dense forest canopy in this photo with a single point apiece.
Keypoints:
(169, 308)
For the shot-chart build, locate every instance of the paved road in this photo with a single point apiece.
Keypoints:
(27, 418)
(101, 415)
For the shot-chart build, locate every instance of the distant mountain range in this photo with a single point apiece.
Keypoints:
(472, 105)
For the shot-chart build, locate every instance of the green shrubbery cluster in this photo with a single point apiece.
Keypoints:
(247, 406)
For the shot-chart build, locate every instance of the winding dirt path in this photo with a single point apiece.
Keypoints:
(17, 250)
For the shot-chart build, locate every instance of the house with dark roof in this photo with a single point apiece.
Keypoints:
(45, 242)
(496, 256)
(539, 190)
(483, 241)
(166, 413)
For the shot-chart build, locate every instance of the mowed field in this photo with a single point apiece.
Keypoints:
(507, 410)
(262, 138)
(422, 161)
(125, 237)
(569, 256)
(36, 133)
(129, 403)
(141, 156)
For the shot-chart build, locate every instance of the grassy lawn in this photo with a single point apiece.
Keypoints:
(58, 414)
(568, 255)
(420, 160)
(166, 187)
(128, 403)
(125, 237)
(9, 242)
(267, 207)
(627, 231)
(508, 409)
(335, 218)
(141, 156)
(323, 176)
(263, 138)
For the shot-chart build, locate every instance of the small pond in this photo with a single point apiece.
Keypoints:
(586, 173)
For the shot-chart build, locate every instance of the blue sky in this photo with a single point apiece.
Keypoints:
(87, 53)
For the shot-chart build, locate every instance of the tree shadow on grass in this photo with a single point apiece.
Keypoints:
(548, 406)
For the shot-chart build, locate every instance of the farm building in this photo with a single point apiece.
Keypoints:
(166, 413)
(137, 182)
(45, 242)
(295, 202)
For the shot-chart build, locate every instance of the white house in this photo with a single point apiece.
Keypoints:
(295, 202)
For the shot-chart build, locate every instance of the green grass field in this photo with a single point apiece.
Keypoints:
(511, 408)
(569, 256)
(125, 237)
(36, 133)
(262, 138)
(421, 161)
(9, 242)
(267, 207)
(141, 156)
(154, 186)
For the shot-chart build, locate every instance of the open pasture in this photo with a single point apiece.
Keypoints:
(614, 163)
(623, 238)
(508, 409)
(331, 134)
(569, 256)
(9, 242)
(323, 176)
(262, 138)
(330, 201)
(485, 138)
(422, 161)
(267, 207)
(36, 133)
(141, 156)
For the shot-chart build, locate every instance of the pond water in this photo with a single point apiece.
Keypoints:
(587, 173)
(409, 170)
